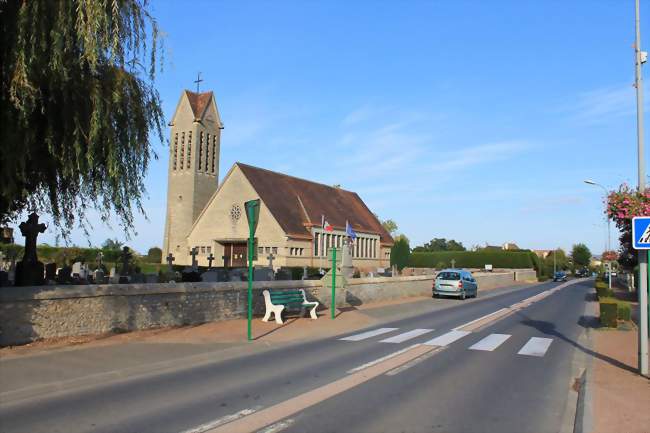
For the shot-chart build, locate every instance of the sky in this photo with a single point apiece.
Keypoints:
(471, 120)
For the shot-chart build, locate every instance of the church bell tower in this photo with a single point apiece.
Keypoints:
(193, 172)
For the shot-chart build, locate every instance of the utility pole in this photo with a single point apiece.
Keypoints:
(639, 58)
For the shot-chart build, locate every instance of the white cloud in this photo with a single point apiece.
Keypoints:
(479, 154)
(603, 104)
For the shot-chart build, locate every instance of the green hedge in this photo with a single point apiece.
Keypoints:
(473, 259)
(609, 314)
(603, 290)
(624, 312)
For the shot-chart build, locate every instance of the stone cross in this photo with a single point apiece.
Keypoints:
(210, 259)
(126, 258)
(170, 260)
(270, 257)
(193, 252)
(30, 230)
(453, 263)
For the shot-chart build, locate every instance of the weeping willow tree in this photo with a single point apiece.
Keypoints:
(77, 106)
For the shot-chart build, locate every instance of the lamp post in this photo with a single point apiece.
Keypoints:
(609, 242)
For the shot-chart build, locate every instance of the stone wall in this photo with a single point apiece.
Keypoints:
(33, 313)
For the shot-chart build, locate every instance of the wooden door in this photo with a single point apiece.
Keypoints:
(239, 257)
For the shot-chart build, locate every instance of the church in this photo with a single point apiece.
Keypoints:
(208, 216)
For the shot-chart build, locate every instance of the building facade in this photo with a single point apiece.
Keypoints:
(212, 218)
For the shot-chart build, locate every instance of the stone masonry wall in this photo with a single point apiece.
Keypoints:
(33, 313)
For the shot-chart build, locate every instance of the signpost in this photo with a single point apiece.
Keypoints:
(252, 214)
(333, 307)
(641, 241)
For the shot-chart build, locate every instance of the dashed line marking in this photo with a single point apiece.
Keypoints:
(406, 336)
(223, 420)
(368, 334)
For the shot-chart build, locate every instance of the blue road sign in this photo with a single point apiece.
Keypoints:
(641, 233)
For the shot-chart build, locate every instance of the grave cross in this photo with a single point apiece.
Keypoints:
(170, 260)
(270, 257)
(210, 259)
(99, 258)
(193, 253)
(30, 230)
(125, 256)
(453, 263)
(198, 81)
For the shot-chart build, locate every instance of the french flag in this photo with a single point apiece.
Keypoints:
(326, 226)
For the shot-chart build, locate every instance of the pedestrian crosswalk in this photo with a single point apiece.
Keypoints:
(534, 346)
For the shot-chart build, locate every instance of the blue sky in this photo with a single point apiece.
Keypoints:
(470, 120)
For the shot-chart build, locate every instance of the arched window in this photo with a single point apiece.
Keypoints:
(214, 151)
(189, 149)
(200, 149)
(182, 161)
(175, 150)
(207, 152)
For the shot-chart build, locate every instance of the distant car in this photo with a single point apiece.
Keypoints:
(559, 276)
(455, 282)
(582, 273)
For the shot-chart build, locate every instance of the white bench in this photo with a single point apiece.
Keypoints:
(277, 301)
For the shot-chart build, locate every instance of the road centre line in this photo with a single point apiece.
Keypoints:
(223, 420)
(457, 328)
(303, 401)
(278, 426)
(416, 361)
(382, 359)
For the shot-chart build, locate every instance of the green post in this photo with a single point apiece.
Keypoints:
(252, 214)
(250, 279)
(333, 314)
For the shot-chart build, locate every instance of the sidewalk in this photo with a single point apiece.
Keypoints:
(620, 397)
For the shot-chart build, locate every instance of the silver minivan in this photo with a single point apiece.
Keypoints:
(455, 282)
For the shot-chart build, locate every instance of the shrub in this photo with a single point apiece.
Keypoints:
(608, 314)
(624, 312)
(602, 290)
(473, 259)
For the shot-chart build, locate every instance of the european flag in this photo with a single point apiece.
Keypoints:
(351, 233)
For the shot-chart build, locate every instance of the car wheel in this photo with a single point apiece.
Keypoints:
(462, 296)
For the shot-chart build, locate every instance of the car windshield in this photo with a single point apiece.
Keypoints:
(449, 276)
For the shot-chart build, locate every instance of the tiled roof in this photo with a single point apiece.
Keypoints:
(198, 102)
(297, 204)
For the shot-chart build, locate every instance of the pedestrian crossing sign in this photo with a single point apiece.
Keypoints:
(641, 233)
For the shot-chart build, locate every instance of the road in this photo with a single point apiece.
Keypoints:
(508, 372)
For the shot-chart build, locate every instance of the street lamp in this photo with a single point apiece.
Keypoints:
(609, 243)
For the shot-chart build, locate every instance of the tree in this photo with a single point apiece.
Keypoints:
(440, 244)
(623, 205)
(581, 255)
(390, 226)
(154, 255)
(77, 104)
(559, 258)
(400, 253)
(112, 244)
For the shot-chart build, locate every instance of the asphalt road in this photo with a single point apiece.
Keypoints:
(520, 385)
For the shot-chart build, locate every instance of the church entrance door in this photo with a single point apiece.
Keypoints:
(235, 254)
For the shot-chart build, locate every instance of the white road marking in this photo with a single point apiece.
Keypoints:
(536, 346)
(479, 319)
(490, 342)
(368, 334)
(406, 336)
(278, 426)
(382, 359)
(448, 338)
(223, 420)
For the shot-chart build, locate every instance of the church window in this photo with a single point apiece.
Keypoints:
(214, 152)
(316, 239)
(200, 149)
(175, 150)
(207, 152)
(260, 250)
(202, 250)
(182, 159)
(301, 251)
(209, 250)
(268, 250)
(275, 250)
(189, 148)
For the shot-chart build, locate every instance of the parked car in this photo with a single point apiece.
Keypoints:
(559, 276)
(455, 282)
(582, 273)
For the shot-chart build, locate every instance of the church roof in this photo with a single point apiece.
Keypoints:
(298, 204)
(198, 102)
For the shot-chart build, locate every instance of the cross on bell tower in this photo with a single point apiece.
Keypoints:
(198, 81)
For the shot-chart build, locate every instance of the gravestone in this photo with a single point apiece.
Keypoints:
(270, 257)
(195, 264)
(99, 276)
(150, 278)
(50, 273)
(170, 262)
(64, 276)
(123, 279)
(113, 277)
(282, 274)
(29, 271)
(215, 275)
(263, 274)
(237, 274)
(305, 275)
(125, 258)
(138, 278)
(4, 279)
(210, 260)
(77, 269)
